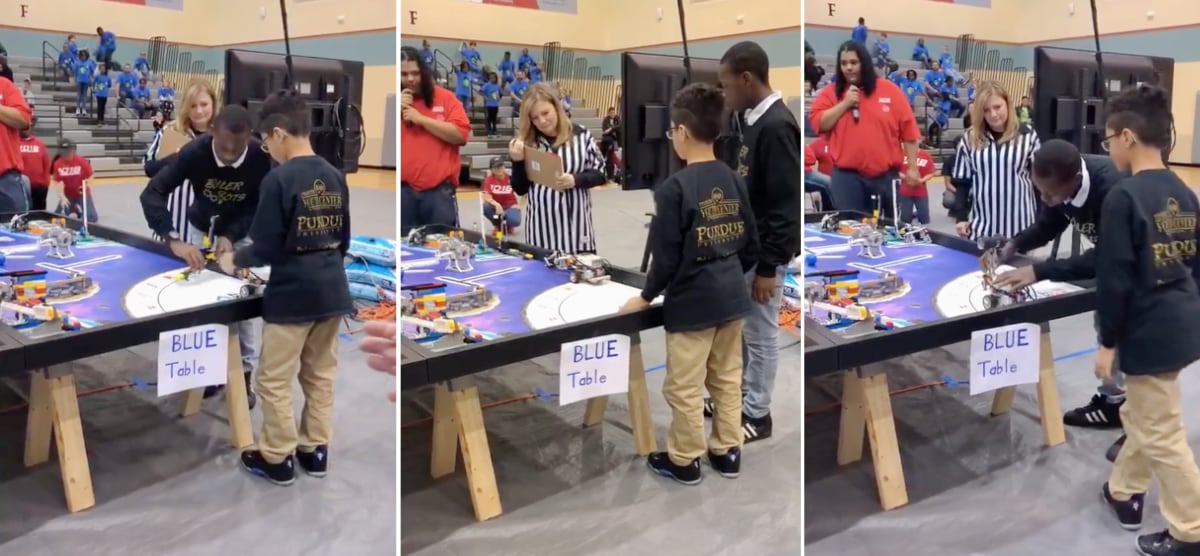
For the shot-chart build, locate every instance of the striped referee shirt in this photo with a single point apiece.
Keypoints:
(561, 221)
(180, 199)
(1001, 196)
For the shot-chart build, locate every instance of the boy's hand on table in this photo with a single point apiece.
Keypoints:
(223, 245)
(1016, 278)
(189, 253)
(635, 303)
(225, 260)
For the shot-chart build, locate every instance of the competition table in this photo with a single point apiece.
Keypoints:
(133, 297)
(535, 309)
(943, 300)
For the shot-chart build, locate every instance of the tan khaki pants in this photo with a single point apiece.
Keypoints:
(307, 350)
(1156, 446)
(709, 358)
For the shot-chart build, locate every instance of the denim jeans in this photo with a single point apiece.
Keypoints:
(760, 349)
(81, 96)
(249, 331)
(14, 196)
(512, 215)
(75, 208)
(906, 206)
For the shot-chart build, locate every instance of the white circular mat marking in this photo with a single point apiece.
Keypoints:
(964, 295)
(163, 293)
(576, 302)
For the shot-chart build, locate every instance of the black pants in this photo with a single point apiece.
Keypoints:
(101, 104)
(106, 59)
(607, 145)
(422, 208)
(854, 191)
(493, 116)
(37, 196)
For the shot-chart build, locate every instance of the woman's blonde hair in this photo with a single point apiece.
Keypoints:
(536, 93)
(183, 112)
(979, 132)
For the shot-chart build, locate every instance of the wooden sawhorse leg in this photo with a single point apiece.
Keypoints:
(54, 410)
(867, 406)
(1053, 432)
(639, 403)
(237, 403)
(458, 422)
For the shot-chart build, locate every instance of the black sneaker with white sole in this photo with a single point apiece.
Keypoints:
(708, 406)
(1100, 413)
(1129, 512)
(728, 465)
(755, 429)
(1163, 544)
(1115, 449)
(314, 463)
(251, 399)
(660, 463)
(282, 473)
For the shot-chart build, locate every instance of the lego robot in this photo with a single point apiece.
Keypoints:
(457, 253)
(58, 241)
(989, 265)
(591, 269)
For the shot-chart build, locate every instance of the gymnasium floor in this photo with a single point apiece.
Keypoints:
(978, 485)
(167, 486)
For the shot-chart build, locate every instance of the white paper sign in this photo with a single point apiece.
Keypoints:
(193, 358)
(593, 367)
(1005, 356)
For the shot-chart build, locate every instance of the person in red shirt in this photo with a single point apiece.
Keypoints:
(870, 128)
(36, 162)
(435, 126)
(70, 174)
(15, 116)
(816, 182)
(912, 196)
(820, 149)
(498, 198)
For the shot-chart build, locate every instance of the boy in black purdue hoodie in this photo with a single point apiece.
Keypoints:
(1147, 270)
(302, 230)
(703, 241)
(226, 169)
(1072, 188)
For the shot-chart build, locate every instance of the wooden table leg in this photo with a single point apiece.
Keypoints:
(639, 403)
(444, 452)
(1053, 432)
(39, 425)
(68, 437)
(885, 447)
(1002, 400)
(476, 454)
(854, 419)
(192, 399)
(237, 402)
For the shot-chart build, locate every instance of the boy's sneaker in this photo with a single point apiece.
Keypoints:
(251, 398)
(708, 406)
(755, 429)
(282, 473)
(314, 463)
(1129, 512)
(1100, 413)
(661, 464)
(1115, 449)
(728, 465)
(1163, 544)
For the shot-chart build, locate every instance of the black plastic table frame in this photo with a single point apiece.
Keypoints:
(36, 353)
(413, 369)
(469, 359)
(829, 352)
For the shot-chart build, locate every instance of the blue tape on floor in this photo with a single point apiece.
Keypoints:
(345, 337)
(1079, 353)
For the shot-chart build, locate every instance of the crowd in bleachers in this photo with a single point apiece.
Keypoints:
(92, 72)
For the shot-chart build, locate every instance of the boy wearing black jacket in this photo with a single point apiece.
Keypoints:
(770, 158)
(1146, 272)
(302, 231)
(226, 169)
(703, 241)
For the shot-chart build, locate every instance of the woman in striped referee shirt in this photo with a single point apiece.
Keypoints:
(192, 116)
(558, 216)
(994, 157)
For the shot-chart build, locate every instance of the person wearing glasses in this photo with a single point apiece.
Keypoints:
(225, 168)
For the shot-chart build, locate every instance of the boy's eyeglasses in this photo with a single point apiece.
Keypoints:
(1107, 141)
(671, 131)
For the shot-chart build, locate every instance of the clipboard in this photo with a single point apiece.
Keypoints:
(542, 167)
(170, 143)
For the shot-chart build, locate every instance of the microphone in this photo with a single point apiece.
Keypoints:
(854, 112)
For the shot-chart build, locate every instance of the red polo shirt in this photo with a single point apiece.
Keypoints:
(36, 161)
(870, 146)
(72, 172)
(425, 160)
(10, 139)
(925, 167)
(820, 148)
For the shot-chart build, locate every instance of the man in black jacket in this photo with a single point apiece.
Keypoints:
(1073, 188)
(770, 158)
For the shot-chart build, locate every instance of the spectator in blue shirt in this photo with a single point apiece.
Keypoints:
(85, 69)
(491, 104)
(166, 100)
(471, 56)
(127, 81)
(951, 103)
(883, 51)
(934, 79)
(518, 87)
(859, 34)
(970, 90)
(947, 62)
(525, 60)
(66, 62)
(106, 48)
(921, 54)
(427, 53)
(72, 46)
(911, 85)
(100, 87)
(508, 69)
(142, 64)
(462, 85)
(535, 73)
(141, 99)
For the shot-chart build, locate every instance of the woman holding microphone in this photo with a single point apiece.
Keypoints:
(558, 215)
(870, 129)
